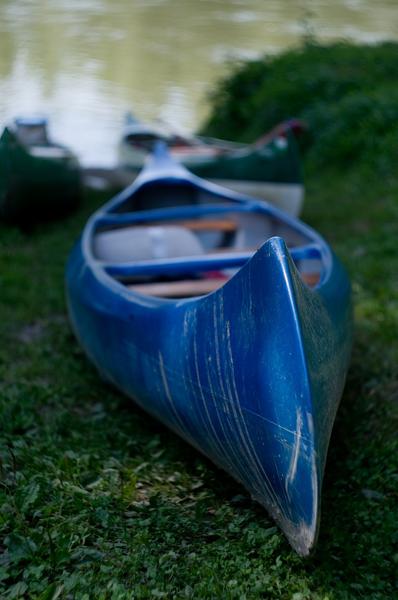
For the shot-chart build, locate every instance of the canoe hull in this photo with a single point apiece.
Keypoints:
(214, 370)
(34, 188)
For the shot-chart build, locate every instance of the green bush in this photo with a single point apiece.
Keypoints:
(347, 94)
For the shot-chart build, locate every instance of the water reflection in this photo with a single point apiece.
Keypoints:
(84, 62)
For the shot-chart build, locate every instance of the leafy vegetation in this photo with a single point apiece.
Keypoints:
(347, 94)
(99, 501)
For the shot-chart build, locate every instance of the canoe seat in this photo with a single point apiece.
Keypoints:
(132, 244)
(48, 152)
(31, 132)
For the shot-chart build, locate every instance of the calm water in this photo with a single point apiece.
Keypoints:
(85, 62)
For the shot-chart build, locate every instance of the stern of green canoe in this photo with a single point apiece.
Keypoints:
(277, 161)
(271, 172)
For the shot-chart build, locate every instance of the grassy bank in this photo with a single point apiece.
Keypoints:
(97, 500)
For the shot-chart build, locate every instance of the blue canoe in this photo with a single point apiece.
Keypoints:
(227, 320)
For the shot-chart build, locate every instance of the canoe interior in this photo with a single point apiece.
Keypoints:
(180, 257)
(170, 194)
(32, 135)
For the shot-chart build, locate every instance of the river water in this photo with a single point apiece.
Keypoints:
(84, 63)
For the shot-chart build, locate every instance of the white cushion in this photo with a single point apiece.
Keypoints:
(132, 244)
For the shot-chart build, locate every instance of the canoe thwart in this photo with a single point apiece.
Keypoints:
(225, 225)
(179, 289)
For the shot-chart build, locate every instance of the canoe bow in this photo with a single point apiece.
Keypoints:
(236, 373)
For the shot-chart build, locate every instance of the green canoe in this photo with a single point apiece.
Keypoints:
(39, 180)
(268, 169)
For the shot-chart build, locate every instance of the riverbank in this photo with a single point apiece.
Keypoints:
(98, 500)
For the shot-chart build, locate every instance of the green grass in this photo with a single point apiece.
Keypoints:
(97, 500)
